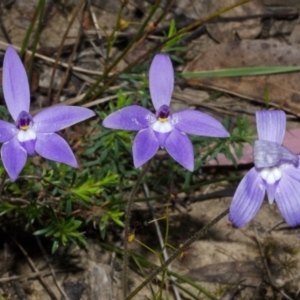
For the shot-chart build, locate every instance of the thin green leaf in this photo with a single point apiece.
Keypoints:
(249, 71)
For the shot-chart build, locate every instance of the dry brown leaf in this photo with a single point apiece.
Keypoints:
(246, 29)
(280, 4)
(283, 89)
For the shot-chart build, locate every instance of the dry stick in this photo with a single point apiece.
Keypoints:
(199, 234)
(70, 60)
(94, 19)
(51, 269)
(161, 242)
(121, 56)
(77, 10)
(268, 270)
(127, 227)
(89, 104)
(32, 265)
(3, 29)
(31, 275)
(154, 25)
(160, 45)
(144, 36)
(99, 50)
(110, 37)
(4, 45)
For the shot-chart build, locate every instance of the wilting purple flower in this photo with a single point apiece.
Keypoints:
(30, 135)
(276, 172)
(163, 129)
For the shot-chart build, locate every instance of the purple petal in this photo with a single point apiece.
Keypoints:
(198, 123)
(56, 118)
(133, 117)
(247, 199)
(181, 149)
(161, 80)
(29, 146)
(144, 147)
(7, 131)
(14, 158)
(271, 190)
(271, 125)
(15, 84)
(161, 138)
(54, 147)
(288, 200)
(291, 171)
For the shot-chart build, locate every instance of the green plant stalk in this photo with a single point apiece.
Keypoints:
(157, 47)
(142, 262)
(124, 52)
(202, 232)
(248, 71)
(162, 242)
(206, 19)
(195, 297)
(2, 180)
(193, 284)
(112, 37)
(137, 262)
(165, 243)
(148, 248)
(162, 283)
(188, 189)
(28, 32)
(71, 56)
(127, 227)
(165, 11)
(41, 8)
(74, 16)
(167, 224)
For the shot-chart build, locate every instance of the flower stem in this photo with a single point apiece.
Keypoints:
(127, 227)
(2, 180)
(155, 48)
(202, 232)
(138, 35)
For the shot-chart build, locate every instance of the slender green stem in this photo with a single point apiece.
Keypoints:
(41, 8)
(142, 262)
(187, 291)
(127, 227)
(156, 48)
(202, 232)
(2, 180)
(79, 15)
(193, 284)
(124, 52)
(112, 37)
(147, 247)
(141, 268)
(60, 48)
(188, 189)
(29, 31)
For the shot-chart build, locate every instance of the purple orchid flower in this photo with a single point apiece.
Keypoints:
(30, 135)
(276, 171)
(164, 129)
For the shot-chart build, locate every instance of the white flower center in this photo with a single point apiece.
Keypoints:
(162, 127)
(271, 175)
(26, 135)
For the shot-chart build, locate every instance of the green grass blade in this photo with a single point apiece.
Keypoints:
(250, 71)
